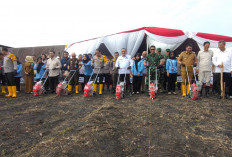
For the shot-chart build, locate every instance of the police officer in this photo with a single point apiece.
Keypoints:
(98, 65)
(10, 70)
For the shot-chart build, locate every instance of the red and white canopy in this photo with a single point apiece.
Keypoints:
(131, 40)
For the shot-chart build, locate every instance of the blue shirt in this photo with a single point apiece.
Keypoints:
(88, 68)
(19, 70)
(64, 62)
(171, 65)
(140, 68)
(41, 72)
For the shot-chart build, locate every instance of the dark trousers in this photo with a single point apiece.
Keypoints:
(99, 79)
(127, 77)
(165, 81)
(172, 82)
(10, 80)
(226, 79)
(114, 80)
(86, 79)
(214, 88)
(53, 82)
(2, 79)
(46, 85)
(231, 86)
(17, 82)
(107, 80)
(137, 80)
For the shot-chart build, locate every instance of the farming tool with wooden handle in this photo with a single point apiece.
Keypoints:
(222, 84)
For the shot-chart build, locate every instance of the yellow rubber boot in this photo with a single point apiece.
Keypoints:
(14, 95)
(77, 89)
(10, 91)
(100, 89)
(69, 88)
(3, 89)
(95, 88)
(183, 90)
(188, 89)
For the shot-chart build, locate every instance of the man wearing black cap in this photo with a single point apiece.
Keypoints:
(162, 69)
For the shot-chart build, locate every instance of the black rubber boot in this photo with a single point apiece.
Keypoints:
(207, 91)
(200, 93)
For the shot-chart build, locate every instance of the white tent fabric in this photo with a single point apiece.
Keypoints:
(167, 40)
(213, 43)
(85, 47)
(131, 41)
(161, 45)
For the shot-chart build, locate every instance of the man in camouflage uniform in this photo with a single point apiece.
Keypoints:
(73, 64)
(114, 71)
(161, 69)
(166, 56)
(154, 61)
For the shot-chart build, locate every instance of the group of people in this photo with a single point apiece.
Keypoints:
(137, 72)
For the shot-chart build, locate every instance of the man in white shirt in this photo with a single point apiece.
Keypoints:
(204, 67)
(223, 59)
(53, 66)
(124, 64)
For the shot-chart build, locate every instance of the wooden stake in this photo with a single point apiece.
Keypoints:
(221, 82)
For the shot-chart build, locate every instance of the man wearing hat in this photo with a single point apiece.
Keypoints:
(162, 70)
(154, 61)
(166, 56)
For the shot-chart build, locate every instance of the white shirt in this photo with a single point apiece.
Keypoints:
(124, 63)
(225, 58)
(53, 66)
(204, 59)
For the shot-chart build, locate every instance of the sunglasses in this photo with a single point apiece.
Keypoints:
(152, 49)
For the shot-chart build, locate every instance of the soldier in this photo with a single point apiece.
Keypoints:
(98, 65)
(187, 57)
(73, 65)
(161, 70)
(154, 61)
(114, 71)
(10, 70)
(166, 56)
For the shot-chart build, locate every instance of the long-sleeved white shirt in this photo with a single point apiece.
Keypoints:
(204, 59)
(53, 66)
(225, 58)
(123, 63)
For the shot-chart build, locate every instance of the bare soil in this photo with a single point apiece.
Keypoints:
(101, 126)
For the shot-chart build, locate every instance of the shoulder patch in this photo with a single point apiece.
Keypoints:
(12, 57)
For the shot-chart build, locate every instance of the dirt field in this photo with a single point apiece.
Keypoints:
(101, 126)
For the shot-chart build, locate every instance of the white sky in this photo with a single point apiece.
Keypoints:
(27, 23)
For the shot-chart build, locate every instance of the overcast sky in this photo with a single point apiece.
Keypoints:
(27, 23)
